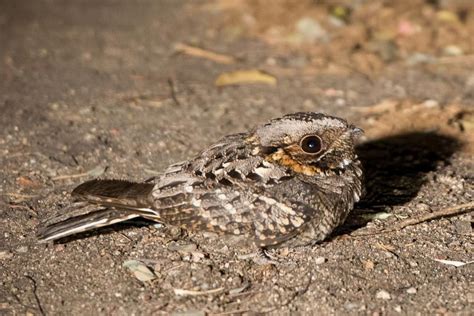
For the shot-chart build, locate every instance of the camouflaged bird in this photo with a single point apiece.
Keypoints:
(288, 182)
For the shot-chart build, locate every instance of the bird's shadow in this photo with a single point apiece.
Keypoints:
(395, 168)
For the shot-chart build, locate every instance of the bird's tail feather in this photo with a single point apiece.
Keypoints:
(82, 223)
(115, 193)
(121, 200)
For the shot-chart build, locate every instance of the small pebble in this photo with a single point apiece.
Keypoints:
(431, 103)
(398, 308)
(411, 290)
(422, 207)
(5, 254)
(452, 50)
(59, 247)
(320, 260)
(350, 306)
(183, 248)
(383, 295)
(419, 58)
(197, 256)
(310, 30)
(413, 264)
(22, 249)
(470, 297)
(340, 102)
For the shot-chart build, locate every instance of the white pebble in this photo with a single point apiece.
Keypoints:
(383, 295)
(320, 260)
(411, 290)
(22, 249)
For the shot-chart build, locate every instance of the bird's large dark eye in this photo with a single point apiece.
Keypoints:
(311, 144)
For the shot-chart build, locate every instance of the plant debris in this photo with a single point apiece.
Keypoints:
(244, 77)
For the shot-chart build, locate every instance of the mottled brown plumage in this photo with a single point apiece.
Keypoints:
(288, 182)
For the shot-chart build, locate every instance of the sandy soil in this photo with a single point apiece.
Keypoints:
(100, 89)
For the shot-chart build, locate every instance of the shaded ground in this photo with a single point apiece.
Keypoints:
(92, 89)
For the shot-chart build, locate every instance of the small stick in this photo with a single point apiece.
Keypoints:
(232, 312)
(450, 211)
(38, 302)
(17, 195)
(64, 177)
(173, 91)
(445, 212)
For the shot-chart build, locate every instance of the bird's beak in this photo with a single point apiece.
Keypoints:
(357, 132)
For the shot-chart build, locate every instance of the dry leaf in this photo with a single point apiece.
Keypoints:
(97, 171)
(27, 182)
(244, 77)
(379, 216)
(139, 270)
(457, 264)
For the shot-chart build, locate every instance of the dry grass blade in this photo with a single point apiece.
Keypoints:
(202, 53)
(183, 292)
(456, 264)
(71, 176)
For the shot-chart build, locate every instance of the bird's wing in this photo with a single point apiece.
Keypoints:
(235, 197)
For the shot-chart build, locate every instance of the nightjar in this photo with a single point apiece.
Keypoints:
(288, 182)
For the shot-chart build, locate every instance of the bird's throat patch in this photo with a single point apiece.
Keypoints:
(282, 158)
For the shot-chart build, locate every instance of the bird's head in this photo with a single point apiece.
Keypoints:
(307, 142)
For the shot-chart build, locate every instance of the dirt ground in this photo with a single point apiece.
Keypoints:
(121, 89)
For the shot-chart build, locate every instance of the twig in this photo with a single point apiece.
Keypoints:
(456, 59)
(450, 211)
(201, 53)
(445, 212)
(231, 312)
(173, 91)
(17, 195)
(36, 295)
(64, 177)
(21, 207)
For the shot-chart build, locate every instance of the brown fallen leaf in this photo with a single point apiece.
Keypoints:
(27, 182)
(384, 247)
(139, 270)
(202, 53)
(244, 77)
